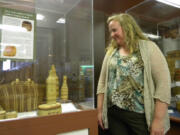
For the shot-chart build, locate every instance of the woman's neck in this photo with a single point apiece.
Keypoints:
(124, 51)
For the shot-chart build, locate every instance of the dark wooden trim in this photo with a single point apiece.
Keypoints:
(52, 125)
(175, 119)
(175, 124)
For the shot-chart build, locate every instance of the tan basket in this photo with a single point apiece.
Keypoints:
(21, 96)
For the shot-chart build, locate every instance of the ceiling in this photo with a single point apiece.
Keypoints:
(152, 15)
(148, 13)
(114, 6)
(150, 10)
(154, 11)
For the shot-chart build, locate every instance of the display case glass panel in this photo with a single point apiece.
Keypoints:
(46, 57)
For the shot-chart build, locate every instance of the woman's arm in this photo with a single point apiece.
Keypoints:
(157, 127)
(102, 77)
(100, 100)
(162, 95)
(160, 110)
(161, 75)
(101, 90)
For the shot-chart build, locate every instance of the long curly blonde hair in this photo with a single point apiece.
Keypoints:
(132, 32)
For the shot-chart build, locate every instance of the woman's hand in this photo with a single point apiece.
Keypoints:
(100, 122)
(157, 127)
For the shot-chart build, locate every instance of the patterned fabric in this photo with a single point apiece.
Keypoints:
(120, 90)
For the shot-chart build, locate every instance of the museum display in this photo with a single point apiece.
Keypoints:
(64, 89)
(52, 86)
(42, 56)
(49, 109)
(19, 96)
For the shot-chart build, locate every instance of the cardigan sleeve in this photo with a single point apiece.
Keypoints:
(102, 78)
(161, 75)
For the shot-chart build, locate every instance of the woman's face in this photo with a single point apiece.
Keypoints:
(116, 32)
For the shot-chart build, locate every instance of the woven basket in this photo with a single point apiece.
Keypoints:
(21, 96)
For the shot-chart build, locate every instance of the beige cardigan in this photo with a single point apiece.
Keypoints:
(156, 81)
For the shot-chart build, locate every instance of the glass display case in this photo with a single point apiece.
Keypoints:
(46, 57)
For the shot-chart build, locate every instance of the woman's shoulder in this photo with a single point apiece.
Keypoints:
(145, 42)
(150, 47)
(148, 44)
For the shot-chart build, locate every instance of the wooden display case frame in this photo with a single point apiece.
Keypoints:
(52, 125)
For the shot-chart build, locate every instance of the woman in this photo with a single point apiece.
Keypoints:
(134, 84)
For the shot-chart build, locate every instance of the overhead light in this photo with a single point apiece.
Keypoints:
(61, 20)
(12, 28)
(40, 17)
(174, 3)
(152, 36)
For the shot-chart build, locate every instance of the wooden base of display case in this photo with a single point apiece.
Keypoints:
(52, 125)
(175, 123)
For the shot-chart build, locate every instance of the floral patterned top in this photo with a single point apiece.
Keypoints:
(120, 90)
